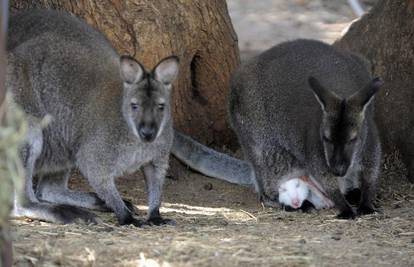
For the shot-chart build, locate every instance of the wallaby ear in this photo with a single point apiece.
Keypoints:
(131, 71)
(166, 70)
(323, 95)
(363, 97)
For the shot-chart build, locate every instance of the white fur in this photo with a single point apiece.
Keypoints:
(294, 191)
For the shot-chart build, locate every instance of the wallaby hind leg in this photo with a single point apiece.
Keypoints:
(270, 164)
(27, 205)
(154, 177)
(254, 154)
(54, 188)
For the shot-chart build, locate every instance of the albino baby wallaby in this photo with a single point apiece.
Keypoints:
(296, 190)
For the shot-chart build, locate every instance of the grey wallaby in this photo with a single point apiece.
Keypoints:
(299, 105)
(109, 116)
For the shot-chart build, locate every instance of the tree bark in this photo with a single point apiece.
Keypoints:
(385, 38)
(5, 243)
(199, 32)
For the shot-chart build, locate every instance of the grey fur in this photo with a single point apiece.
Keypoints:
(281, 115)
(109, 117)
(210, 162)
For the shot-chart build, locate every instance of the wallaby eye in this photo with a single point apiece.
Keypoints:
(352, 140)
(134, 106)
(161, 107)
(326, 139)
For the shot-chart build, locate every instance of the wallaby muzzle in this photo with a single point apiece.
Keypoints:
(339, 170)
(339, 166)
(147, 132)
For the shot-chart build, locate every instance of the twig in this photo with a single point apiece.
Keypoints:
(250, 215)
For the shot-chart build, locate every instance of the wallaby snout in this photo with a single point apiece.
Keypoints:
(147, 132)
(339, 164)
(339, 169)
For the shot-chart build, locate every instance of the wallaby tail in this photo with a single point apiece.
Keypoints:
(210, 162)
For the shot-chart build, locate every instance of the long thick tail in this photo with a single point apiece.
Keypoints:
(210, 162)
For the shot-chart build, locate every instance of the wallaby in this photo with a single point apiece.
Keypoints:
(293, 189)
(109, 116)
(303, 105)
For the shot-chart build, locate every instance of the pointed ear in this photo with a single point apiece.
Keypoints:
(166, 70)
(363, 97)
(131, 71)
(323, 95)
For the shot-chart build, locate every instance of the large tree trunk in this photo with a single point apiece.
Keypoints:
(5, 195)
(386, 37)
(199, 32)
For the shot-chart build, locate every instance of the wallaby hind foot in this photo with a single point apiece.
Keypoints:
(63, 214)
(156, 219)
(53, 188)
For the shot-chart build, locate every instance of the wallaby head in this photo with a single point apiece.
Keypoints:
(342, 126)
(146, 99)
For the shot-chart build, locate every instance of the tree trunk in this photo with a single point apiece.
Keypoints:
(5, 243)
(199, 32)
(385, 37)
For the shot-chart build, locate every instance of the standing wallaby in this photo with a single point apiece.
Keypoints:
(301, 105)
(109, 116)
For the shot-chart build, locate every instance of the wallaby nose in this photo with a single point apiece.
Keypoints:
(339, 170)
(339, 165)
(147, 133)
(296, 203)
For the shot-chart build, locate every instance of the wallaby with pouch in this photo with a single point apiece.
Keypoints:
(295, 188)
(109, 116)
(301, 105)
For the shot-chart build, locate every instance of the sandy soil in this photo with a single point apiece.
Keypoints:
(262, 24)
(219, 224)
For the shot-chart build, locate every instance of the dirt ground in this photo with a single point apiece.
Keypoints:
(219, 224)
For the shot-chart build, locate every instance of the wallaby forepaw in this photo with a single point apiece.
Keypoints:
(132, 221)
(270, 202)
(130, 206)
(288, 208)
(307, 206)
(160, 221)
(353, 197)
(66, 214)
(346, 214)
(365, 210)
(100, 205)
